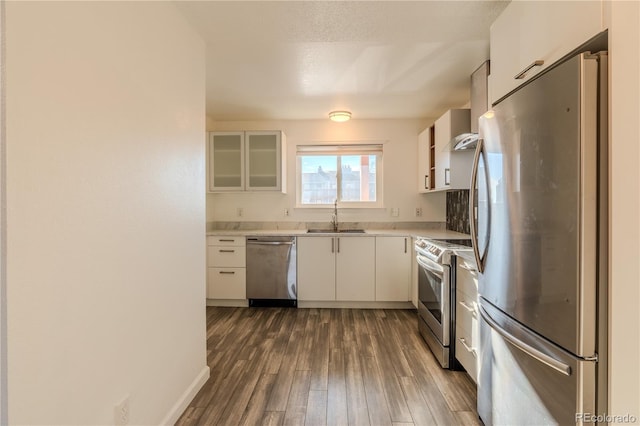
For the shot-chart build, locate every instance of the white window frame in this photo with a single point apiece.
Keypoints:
(339, 150)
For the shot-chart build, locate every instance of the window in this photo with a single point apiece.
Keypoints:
(351, 174)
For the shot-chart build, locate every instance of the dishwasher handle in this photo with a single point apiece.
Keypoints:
(271, 243)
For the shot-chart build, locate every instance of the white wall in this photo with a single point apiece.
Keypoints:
(106, 212)
(623, 20)
(3, 229)
(400, 138)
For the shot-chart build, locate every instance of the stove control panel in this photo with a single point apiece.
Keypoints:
(437, 250)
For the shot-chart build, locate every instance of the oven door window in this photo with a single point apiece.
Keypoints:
(430, 286)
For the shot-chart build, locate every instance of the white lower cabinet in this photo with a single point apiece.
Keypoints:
(316, 268)
(226, 267)
(356, 268)
(393, 269)
(334, 268)
(226, 283)
(467, 337)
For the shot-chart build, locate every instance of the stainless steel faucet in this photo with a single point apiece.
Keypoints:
(334, 217)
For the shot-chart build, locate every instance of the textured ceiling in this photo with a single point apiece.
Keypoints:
(378, 59)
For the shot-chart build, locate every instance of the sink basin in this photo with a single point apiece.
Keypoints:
(340, 231)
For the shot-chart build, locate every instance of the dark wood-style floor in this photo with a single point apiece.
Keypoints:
(273, 366)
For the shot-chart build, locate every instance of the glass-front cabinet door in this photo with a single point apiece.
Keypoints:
(263, 161)
(246, 161)
(226, 161)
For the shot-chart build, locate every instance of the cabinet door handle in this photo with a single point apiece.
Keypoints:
(426, 181)
(338, 243)
(524, 72)
(468, 307)
(226, 241)
(227, 272)
(405, 245)
(467, 347)
(447, 176)
(332, 245)
(468, 268)
(227, 251)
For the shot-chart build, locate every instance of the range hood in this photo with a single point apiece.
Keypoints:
(464, 141)
(479, 105)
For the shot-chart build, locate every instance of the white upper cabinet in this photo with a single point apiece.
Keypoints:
(529, 36)
(226, 161)
(426, 165)
(264, 161)
(452, 169)
(247, 161)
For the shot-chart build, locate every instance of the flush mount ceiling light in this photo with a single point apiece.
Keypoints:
(340, 116)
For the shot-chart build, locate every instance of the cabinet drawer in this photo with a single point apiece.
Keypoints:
(467, 281)
(226, 240)
(467, 355)
(226, 283)
(226, 257)
(466, 313)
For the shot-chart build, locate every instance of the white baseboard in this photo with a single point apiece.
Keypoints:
(240, 303)
(185, 399)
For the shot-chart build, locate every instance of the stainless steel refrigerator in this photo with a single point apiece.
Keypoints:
(539, 212)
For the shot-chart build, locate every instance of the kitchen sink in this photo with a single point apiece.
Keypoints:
(340, 231)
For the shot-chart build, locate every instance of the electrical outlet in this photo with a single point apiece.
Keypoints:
(121, 412)
(395, 212)
(418, 211)
(286, 211)
(240, 211)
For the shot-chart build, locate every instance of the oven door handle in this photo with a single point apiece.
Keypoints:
(430, 265)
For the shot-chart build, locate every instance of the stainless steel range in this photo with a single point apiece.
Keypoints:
(436, 294)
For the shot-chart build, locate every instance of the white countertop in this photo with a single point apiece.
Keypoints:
(426, 233)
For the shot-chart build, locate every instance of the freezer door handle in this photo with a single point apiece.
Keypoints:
(524, 346)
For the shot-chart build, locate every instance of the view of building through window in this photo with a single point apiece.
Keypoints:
(322, 175)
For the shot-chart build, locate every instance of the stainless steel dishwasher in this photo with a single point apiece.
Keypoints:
(271, 271)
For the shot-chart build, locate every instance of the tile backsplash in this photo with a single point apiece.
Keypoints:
(458, 211)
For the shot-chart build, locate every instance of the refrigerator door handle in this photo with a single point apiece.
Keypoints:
(525, 347)
(472, 203)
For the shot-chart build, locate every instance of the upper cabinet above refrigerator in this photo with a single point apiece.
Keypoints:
(479, 94)
(529, 36)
